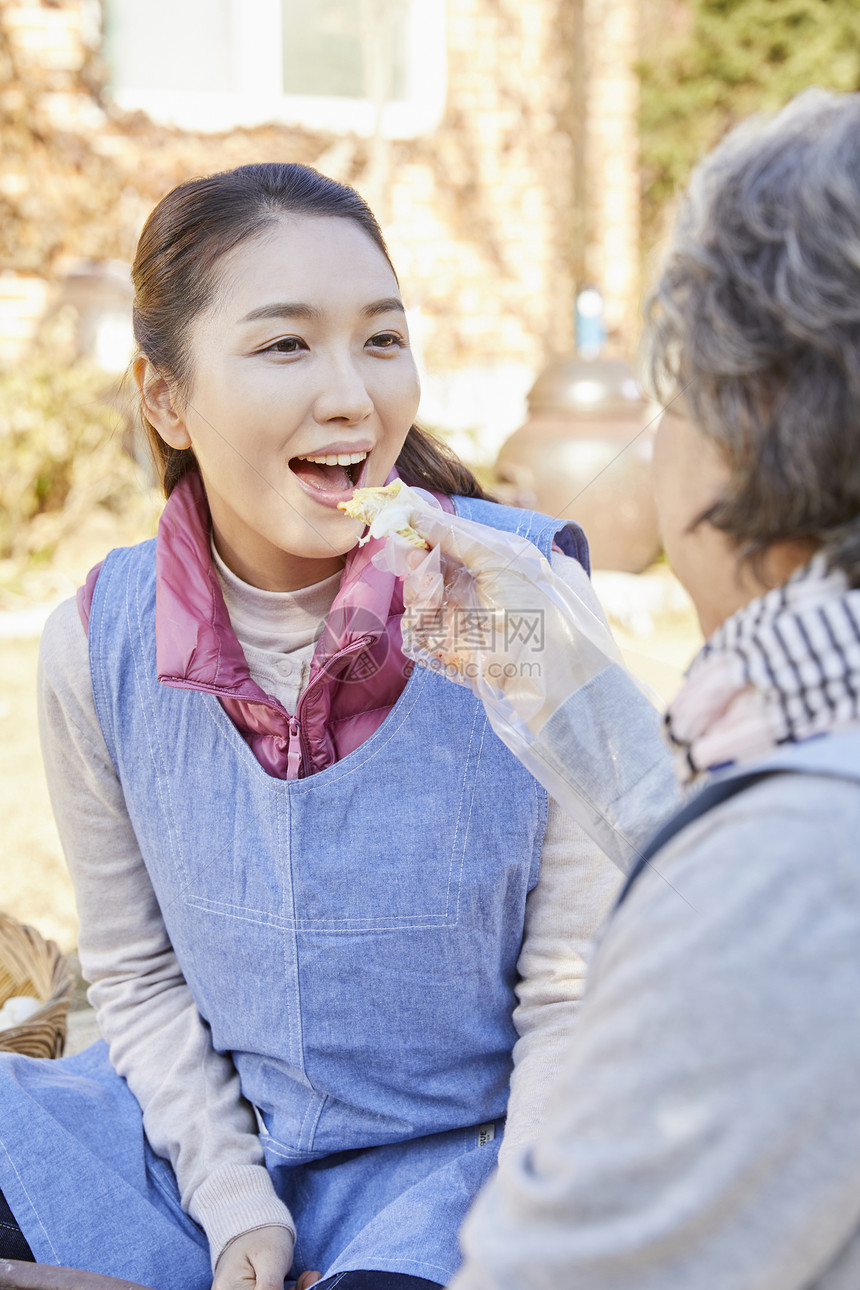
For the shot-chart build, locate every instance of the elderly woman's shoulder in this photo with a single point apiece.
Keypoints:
(789, 839)
(791, 807)
(752, 901)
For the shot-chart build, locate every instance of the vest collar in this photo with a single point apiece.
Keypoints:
(196, 646)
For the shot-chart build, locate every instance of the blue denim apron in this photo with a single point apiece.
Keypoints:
(350, 938)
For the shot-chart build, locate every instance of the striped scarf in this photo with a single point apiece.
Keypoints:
(783, 668)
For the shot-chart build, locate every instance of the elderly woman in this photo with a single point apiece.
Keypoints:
(705, 1130)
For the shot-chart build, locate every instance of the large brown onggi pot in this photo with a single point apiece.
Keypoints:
(585, 454)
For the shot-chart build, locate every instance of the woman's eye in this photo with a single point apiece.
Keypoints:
(286, 345)
(386, 340)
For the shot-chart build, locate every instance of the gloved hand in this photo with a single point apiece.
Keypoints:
(486, 610)
(486, 607)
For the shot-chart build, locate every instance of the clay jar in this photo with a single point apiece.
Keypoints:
(584, 454)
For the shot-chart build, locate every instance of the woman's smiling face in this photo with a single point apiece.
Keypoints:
(304, 353)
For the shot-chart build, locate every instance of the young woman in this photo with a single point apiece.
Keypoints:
(302, 868)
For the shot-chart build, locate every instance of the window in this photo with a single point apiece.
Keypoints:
(341, 65)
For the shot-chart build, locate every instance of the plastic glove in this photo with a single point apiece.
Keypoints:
(257, 1260)
(485, 609)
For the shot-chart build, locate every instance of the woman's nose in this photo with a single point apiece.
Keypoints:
(344, 395)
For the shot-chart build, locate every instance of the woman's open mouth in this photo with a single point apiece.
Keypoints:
(331, 477)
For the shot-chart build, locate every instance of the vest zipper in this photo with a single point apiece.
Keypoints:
(295, 760)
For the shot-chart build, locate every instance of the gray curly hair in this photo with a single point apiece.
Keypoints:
(755, 321)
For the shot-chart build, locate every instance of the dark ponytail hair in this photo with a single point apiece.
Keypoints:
(175, 278)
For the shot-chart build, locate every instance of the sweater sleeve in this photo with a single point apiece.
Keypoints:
(602, 753)
(573, 895)
(193, 1110)
(576, 887)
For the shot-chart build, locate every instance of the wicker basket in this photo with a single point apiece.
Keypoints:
(31, 965)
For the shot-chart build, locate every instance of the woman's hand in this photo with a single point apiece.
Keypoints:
(487, 610)
(258, 1260)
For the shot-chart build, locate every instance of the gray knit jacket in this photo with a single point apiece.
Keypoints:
(705, 1133)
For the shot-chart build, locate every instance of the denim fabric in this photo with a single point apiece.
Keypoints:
(364, 1280)
(363, 902)
(82, 1181)
(543, 530)
(351, 938)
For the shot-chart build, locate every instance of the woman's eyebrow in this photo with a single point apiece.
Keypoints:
(383, 307)
(284, 309)
(295, 309)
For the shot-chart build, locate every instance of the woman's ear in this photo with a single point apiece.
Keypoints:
(159, 404)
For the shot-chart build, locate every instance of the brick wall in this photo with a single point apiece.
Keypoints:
(479, 215)
(45, 38)
(22, 303)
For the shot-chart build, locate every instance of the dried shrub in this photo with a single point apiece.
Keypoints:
(61, 454)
